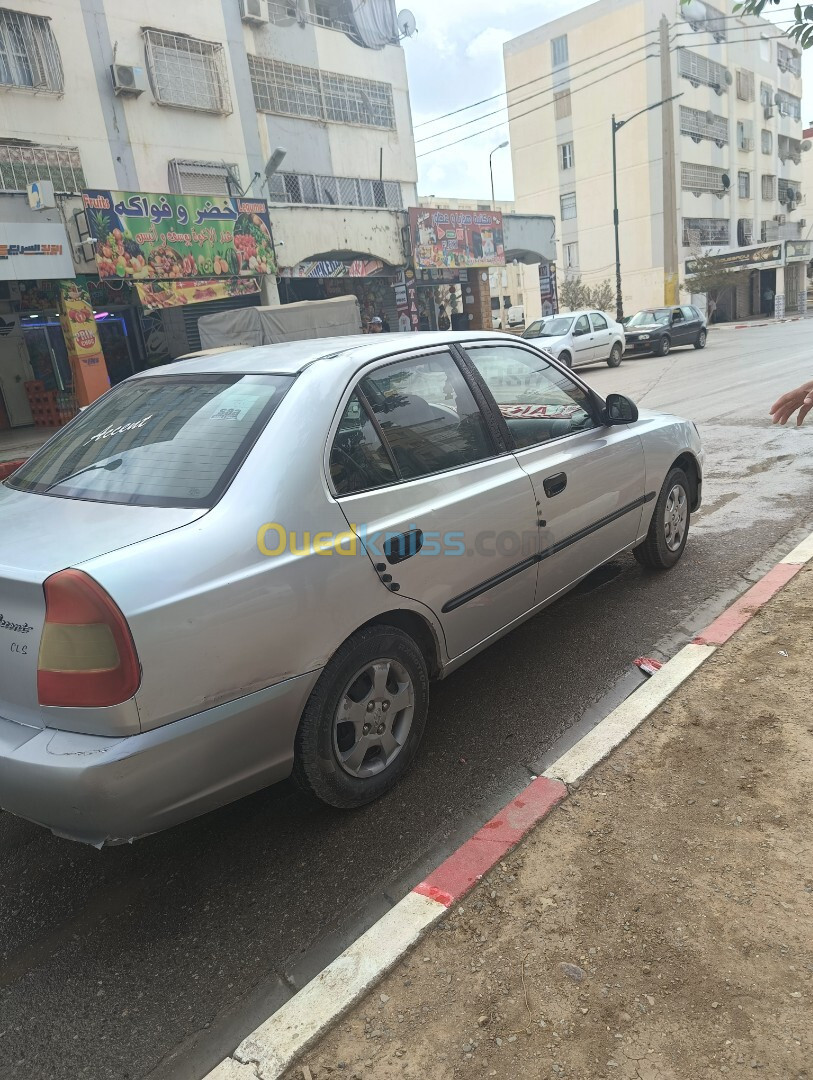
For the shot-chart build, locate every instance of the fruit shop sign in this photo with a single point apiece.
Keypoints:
(165, 237)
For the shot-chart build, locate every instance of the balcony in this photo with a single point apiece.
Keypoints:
(22, 163)
(702, 178)
(695, 124)
(700, 71)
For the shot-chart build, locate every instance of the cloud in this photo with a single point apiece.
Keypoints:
(488, 44)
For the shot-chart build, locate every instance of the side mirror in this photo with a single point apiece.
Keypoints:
(620, 410)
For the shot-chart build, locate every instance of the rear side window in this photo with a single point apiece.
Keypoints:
(599, 322)
(428, 415)
(689, 313)
(163, 441)
(358, 460)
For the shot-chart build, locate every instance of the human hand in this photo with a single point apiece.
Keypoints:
(786, 406)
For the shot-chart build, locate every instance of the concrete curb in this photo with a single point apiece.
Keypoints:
(750, 325)
(8, 467)
(276, 1044)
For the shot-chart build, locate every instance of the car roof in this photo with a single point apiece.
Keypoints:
(292, 357)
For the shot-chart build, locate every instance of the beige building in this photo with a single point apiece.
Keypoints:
(717, 170)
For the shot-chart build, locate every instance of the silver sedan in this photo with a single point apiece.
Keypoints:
(251, 564)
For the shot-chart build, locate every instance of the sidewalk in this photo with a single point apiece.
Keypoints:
(658, 925)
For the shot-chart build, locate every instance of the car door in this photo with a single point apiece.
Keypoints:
(694, 323)
(446, 513)
(602, 337)
(589, 479)
(680, 328)
(583, 348)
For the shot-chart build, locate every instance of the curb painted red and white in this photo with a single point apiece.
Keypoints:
(8, 467)
(750, 325)
(276, 1044)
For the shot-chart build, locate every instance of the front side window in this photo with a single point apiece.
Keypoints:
(358, 459)
(582, 326)
(168, 440)
(538, 402)
(428, 415)
(568, 206)
(186, 72)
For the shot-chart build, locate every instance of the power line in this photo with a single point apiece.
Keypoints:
(544, 105)
(538, 78)
(530, 97)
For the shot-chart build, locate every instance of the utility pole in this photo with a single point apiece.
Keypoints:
(670, 210)
(619, 300)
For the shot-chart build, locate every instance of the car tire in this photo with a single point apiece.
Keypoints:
(665, 543)
(341, 763)
(701, 340)
(664, 345)
(566, 359)
(614, 359)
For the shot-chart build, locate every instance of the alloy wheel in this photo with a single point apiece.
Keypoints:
(675, 517)
(373, 718)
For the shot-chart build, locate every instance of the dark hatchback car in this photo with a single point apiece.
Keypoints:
(657, 330)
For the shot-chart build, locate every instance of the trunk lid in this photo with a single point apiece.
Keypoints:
(39, 535)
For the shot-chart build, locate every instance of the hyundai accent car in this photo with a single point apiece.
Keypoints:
(658, 330)
(252, 563)
(580, 337)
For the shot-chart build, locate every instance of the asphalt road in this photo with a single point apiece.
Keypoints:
(154, 960)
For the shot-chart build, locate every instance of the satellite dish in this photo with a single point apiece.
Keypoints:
(709, 116)
(729, 78)
(805, 145)
(725, 180)
(406, 23)
(695, 11)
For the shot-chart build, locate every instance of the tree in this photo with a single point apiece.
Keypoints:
(710, 277)
(574, 294)
(802, 29)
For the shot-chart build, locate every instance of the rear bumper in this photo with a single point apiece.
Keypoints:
(101, 790)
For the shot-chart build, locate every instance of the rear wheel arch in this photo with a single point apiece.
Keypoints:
(419, 629)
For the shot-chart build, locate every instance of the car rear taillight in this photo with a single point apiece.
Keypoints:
(87, 657)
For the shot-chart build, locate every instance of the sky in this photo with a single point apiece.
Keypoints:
(455, 59)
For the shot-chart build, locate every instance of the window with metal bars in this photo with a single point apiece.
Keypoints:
(186, 72)
(700, 178)
(20, 165)
(789, 105)
(745, 232)
(561, 105)
(789, 191)
(307, 189)
(744, 184)
(695, 124)
(203, 177)
(768, 187)
(788, 60)
(29, 54)
(699, 70)
(705, 231)
(293, 90)
(745, 85)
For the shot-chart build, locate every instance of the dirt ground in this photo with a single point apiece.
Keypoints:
(657, 926)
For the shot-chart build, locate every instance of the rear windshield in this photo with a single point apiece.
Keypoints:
(174, 440)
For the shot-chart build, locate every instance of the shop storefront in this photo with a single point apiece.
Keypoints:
(775, 286)
(371, 281)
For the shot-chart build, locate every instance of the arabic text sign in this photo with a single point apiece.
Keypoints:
(456, 238)
(171, 237)
(34, 252)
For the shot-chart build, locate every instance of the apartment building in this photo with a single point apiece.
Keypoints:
(292, 116)
(717, 170)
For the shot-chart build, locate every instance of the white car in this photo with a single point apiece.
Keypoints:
(580, 337)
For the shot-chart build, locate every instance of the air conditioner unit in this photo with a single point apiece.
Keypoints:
(802, 223)
(780, 219)
(128, 81)
(254, 11)
(767, 112)
(747, 144)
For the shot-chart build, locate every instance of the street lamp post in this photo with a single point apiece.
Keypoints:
(616, 125)
(502, 146)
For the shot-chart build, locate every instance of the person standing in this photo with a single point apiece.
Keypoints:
(767, 301)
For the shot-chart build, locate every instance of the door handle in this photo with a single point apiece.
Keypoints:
(555, 485)
(403, 546)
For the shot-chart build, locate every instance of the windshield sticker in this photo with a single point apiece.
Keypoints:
(559, 411)
(236, 404)
(16, 628)
(110, 431)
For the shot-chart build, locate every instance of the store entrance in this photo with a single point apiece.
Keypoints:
(47, 352)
